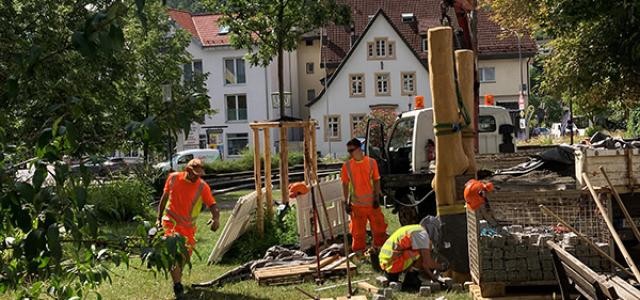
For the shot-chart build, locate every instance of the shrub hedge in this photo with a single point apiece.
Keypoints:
(121, 200)
(245, 163)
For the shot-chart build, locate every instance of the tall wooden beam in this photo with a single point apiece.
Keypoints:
(267, 172)
(258, 181)
(284, 165)
(465, 65)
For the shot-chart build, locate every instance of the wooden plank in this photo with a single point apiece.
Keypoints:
(325, 262)
(368, 287)
(236, 225)
(267, 172)
(612, 229)
(332, 192)
(258, 181)
(284, 165)
(286, 124)
(624, 289)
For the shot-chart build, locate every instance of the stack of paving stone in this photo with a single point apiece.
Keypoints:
(519, 254)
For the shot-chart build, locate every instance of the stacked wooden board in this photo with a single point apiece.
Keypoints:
(281, 275)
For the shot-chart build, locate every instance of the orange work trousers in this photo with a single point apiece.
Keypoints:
(188, 232)
(358, 227)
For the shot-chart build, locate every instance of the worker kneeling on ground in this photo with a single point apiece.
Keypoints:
(409, 250)
(361, 191)
(183, 196)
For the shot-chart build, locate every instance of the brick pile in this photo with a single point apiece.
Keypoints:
(519, 254)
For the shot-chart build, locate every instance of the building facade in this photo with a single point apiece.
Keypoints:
(498, 63)
(380, 71)
(239, 93)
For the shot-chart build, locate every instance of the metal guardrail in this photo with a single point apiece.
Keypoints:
(229, 182)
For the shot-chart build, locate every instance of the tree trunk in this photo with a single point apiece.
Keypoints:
(281, 80)
(145, 146)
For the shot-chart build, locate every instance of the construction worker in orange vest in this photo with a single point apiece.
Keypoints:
(409, 250)
(361, 192)
(183, 197)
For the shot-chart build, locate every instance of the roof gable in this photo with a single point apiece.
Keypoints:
(491, 41)
(203, 27)
(379, 16)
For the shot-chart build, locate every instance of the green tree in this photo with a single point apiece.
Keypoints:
(268, 28)
(188, 5)
(71, 79)
(595, 57)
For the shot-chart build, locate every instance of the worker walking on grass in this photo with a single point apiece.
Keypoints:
(183, 196)
(409, 250)
(361, 191)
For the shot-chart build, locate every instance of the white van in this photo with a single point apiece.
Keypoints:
(180, 159)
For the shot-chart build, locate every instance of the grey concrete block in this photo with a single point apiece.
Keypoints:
(501, 276)
(448, 281)
(548, 275)
(570, 239)
(513, 276)
(467, 285)
(533, 263)
(498, 264)
(535, 275)
(516, 229)
(511, 265)
(497, 254)
(425, 291)
(388, 293)
(379, 297)
(487, 276)
(382, 281)
(394, 285)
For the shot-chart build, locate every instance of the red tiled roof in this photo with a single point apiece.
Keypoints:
(427, 14)
(203, 27)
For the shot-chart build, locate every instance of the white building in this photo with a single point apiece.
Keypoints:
(380, 70)
(238, 92)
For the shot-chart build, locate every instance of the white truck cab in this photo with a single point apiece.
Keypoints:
(180, 159)
(411, 146)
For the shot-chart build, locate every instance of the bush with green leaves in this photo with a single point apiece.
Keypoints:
(244, 162)
(251, 246)
(633, 126)
(121, 200)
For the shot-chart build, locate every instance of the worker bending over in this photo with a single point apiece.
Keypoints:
(409, 250)
(361, 191)
(183, 196)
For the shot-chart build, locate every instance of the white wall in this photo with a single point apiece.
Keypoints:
(506, 86)
(337, 94)
(260, 83)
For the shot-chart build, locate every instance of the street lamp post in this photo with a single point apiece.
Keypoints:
(521, 88)
(166, 98)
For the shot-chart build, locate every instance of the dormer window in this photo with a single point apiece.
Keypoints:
(408, 18)
(223, 30)
(381, 48)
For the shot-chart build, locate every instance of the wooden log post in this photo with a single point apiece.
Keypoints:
(314, 146)
(267, 173)
(450, 156)
(465, 62)
(284, 165)
(258, 182)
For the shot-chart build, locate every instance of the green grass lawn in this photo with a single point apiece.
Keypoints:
(137, 283)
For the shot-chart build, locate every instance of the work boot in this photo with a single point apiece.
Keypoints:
(375, 260)
(178, 290)
(411, 282)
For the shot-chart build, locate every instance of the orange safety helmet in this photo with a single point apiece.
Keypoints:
(475, 193)
(297, 188)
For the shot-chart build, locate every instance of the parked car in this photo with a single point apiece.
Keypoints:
(104, 166)
(555, 130)
(180, 159)
(540, 131)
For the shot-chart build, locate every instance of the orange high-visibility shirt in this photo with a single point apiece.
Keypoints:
(362, 175)
(182, 193)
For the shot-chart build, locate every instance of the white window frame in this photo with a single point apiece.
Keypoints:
(481, 74)
(328, 132)
(352, 80)
(403, 81)
(310, 68)
(424, 43)
(354, 120)
(192, 70)
(235, 71)
(229, 139)
(385, 82)
(237, 116)
(381, 48)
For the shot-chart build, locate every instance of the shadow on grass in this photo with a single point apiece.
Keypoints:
(203, 293)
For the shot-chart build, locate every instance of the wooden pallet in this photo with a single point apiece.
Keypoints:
(475, 291)
(282, 275)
